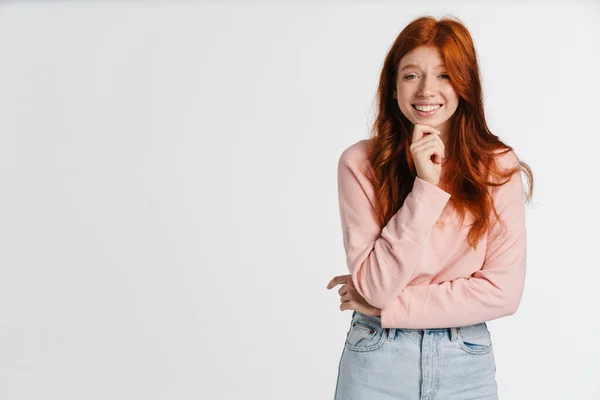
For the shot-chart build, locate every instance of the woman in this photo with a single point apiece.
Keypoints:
(432, 209)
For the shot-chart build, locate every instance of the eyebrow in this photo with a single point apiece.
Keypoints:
(416, 66)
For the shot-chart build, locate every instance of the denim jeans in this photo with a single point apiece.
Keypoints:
(417, 364)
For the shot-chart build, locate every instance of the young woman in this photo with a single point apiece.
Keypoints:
(432, 209)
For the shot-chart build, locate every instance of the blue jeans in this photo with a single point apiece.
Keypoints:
(417, 364)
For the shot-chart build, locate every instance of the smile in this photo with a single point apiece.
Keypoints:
(427, 110)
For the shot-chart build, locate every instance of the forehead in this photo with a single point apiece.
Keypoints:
(421, 57)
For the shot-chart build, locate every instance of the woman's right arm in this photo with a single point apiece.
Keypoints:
(382, 261)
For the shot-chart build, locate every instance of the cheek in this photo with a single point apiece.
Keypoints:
(403, 98)
(404, 107)
(451, 95)
(453, 103)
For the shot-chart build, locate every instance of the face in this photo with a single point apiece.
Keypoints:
(422, 79)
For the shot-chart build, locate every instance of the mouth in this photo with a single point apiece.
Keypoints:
(428, 110)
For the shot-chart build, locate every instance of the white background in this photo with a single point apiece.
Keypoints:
(168, 209)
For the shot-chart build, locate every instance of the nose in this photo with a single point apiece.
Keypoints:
(428, 86)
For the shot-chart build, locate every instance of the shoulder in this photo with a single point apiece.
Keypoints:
(512, 187)
(355, 172)
(354, 157)
(506, 158)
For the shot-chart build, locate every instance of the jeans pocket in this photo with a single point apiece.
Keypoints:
(475, 339)
(365, 334)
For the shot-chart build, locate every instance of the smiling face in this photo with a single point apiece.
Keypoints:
(422, 79)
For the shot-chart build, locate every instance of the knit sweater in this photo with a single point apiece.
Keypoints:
(419, 268)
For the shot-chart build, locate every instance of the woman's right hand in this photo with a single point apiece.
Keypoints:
(427, 149)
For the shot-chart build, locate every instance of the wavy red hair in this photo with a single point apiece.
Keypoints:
(472, 149)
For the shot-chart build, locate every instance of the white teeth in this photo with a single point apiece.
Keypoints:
(427, 108)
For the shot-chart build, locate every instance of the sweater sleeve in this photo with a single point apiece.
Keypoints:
(492, 292)
(382, 261)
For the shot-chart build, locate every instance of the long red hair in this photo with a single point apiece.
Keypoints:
(472, 148)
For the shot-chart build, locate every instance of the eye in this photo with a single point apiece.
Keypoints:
(408, 76)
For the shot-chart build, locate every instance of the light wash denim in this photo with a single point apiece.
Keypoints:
(415, 364)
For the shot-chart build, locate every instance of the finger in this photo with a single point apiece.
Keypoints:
(346, 297)
(333, 282)
(423, 143)
(337, 280)
(343, 290)
(426, 150)
(416, 147)
(420, 130)
(428, 138)
(441, 142)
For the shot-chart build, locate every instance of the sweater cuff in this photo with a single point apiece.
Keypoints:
(387, 317)
(421, 209)
(396, 315)
(438, 195)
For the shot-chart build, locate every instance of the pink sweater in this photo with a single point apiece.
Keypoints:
(419, 269)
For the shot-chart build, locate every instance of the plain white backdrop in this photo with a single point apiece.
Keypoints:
(168, 207)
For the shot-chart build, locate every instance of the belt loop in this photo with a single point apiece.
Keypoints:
(453, 334)
(391, 333)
